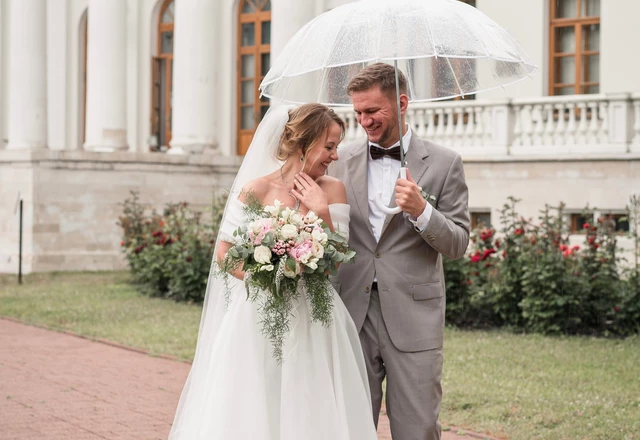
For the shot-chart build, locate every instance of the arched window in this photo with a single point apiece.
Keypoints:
(575, 47)
(162, 74)
(254, 48)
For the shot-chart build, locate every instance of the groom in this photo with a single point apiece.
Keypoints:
(395, 291)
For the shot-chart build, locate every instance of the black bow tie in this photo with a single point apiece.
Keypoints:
(377, 152)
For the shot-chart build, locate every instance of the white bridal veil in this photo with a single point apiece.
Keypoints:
(259, 160)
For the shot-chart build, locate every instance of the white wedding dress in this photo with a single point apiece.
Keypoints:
(319, 392)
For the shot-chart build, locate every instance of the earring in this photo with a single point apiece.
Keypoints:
(301, 158)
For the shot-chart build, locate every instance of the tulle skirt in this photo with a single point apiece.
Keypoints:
(319, 392)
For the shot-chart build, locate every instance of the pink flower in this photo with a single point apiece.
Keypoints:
(301, 252)
(260, 228)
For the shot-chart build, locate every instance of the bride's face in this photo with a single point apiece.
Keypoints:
(323, 152)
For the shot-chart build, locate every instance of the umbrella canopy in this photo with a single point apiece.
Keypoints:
(445, 48)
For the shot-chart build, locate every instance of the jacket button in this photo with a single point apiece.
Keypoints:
(367, 289)
(378, 255)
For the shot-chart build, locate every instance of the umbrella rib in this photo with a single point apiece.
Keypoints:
(455, 78)
(433, 42)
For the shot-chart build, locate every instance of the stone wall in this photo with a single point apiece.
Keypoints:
(605, 184)
(71, 201)
(71, 198)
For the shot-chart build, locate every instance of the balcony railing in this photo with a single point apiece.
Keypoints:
(556, 125)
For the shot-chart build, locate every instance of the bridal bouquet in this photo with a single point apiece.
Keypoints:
(280, 249)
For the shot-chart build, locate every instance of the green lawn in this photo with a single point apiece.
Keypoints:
(514, 386)
(104, 305)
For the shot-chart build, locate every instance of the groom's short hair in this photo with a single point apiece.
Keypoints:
(378, 74)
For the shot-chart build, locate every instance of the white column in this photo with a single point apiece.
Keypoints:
(287, 18)
(27, 74)
(106, 117)
(2, 74)
(194, 74)
(57, 66)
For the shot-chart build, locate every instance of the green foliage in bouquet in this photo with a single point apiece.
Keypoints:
(278, 248)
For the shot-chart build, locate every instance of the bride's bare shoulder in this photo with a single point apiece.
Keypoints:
(333, 188)
(257, 188)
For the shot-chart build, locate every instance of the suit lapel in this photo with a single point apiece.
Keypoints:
(417, 164)
(357, 166)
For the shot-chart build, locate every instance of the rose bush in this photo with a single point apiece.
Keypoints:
(528, 277)
(170, 253)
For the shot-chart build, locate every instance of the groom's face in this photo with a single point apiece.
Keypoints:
(376, 112)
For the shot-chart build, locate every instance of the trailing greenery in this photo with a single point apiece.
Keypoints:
(279, 249)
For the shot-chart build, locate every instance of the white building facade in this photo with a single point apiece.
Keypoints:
(101, 97)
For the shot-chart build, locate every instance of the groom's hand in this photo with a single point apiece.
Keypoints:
(409, 196)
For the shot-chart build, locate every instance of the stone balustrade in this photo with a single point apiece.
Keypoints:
(555, 125)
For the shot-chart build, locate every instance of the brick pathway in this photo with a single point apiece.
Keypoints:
(58, 386)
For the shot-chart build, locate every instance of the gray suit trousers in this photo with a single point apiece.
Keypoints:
(413, 391)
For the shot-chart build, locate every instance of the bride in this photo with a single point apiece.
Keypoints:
(236, 389)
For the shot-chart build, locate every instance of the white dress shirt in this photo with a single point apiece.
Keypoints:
(383, 174)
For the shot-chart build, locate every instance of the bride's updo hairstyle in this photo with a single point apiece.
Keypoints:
(307, 125)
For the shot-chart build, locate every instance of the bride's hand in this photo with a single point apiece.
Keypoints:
(309, 192)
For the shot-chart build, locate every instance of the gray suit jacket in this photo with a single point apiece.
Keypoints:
(408, 264)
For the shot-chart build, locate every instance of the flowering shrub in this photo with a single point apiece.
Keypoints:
(525, 275)
(530, 278)
(169, 254)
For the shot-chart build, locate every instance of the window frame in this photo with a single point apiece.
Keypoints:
(162, 61)
(475, 223)
(577, 23)
(259, 49)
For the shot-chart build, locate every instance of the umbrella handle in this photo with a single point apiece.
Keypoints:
(384, 208)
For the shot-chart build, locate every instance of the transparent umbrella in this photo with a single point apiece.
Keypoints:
(445, 48)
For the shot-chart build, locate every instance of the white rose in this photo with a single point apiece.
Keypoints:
(266, 268)
(291, 273)
(313, 264)
(318, 249)
(262, 254)
(289, 231)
